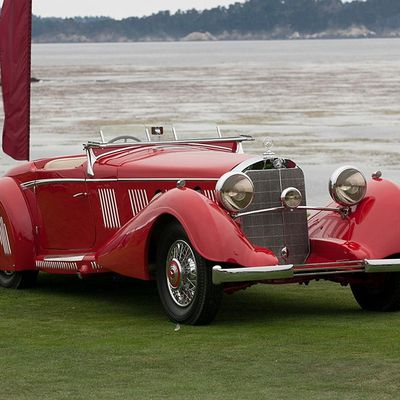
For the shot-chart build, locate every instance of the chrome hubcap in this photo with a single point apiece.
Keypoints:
(181, 273)
(175, 274)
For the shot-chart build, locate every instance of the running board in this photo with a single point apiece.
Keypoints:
(69, 264)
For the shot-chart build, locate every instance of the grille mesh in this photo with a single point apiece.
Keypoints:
(278, 229)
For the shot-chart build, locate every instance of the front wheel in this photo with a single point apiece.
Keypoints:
(383, 295)
(18, 279)
(184, 280)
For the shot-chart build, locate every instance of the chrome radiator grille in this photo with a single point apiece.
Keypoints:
(278, 229)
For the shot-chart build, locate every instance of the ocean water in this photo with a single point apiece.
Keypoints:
(324, 103)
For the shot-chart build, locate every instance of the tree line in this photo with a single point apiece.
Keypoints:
(251, 18)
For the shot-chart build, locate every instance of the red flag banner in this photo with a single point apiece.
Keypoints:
(15, 62)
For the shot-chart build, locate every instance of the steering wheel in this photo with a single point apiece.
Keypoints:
(124, 138)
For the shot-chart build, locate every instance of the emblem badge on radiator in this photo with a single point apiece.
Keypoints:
(285, 253)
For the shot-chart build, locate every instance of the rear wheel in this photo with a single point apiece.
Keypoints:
(382, 296)
(184, 280)
(18, 279)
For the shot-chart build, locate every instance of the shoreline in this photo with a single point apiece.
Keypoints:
(161, 40)
(354, 32)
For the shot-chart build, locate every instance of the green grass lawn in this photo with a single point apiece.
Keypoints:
(70, 339)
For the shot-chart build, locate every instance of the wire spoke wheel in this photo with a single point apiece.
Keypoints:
(181, 271)
(184, 279)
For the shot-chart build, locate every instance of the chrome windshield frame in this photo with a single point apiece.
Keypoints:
(92, 158)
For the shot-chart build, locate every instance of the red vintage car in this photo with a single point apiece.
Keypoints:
(199, 217)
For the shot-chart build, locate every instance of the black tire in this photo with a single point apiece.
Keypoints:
(18, 279)
(184, 280)
(382, 297)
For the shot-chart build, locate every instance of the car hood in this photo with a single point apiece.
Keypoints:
(174, 162)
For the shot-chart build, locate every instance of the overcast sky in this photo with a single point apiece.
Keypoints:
(118, 8)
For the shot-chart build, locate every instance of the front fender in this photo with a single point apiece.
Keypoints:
(212, 232)
(17, 249)
(371, 231)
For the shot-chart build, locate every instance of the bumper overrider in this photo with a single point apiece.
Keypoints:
(278, 272)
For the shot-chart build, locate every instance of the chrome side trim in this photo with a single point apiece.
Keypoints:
(109, 208)
(4, 239)
(253, 274)
(57, 265)
(152, 179)
(175, 179)
(138, 199)
(66, 259)
(40, 182)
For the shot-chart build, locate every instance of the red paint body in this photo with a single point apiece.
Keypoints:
(371, 231)
(53, 210)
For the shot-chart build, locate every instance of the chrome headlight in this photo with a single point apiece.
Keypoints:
(347, 186)
(291, 198)
(235, 191)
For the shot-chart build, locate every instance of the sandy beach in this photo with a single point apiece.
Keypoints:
(324, 103)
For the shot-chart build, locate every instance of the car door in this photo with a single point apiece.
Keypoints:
(66, 220)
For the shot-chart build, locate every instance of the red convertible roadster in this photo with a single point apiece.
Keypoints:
(200, 218)
(197, 215)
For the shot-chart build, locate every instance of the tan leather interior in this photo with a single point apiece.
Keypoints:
(64, 163)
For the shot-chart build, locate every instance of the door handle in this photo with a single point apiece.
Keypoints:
(82, 194)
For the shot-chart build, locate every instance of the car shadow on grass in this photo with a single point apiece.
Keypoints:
(288, 302)
(260, 303)
(123, 295)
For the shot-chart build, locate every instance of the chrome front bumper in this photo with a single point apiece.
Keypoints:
(278, 272)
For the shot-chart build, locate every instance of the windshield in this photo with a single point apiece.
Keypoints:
(160, 133)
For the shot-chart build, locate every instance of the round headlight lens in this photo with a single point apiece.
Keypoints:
(347, 186)
(235, 191)
(291, 197)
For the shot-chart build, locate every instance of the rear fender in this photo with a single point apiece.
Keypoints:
(212, 232)
(17, 246)
(371, 231)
